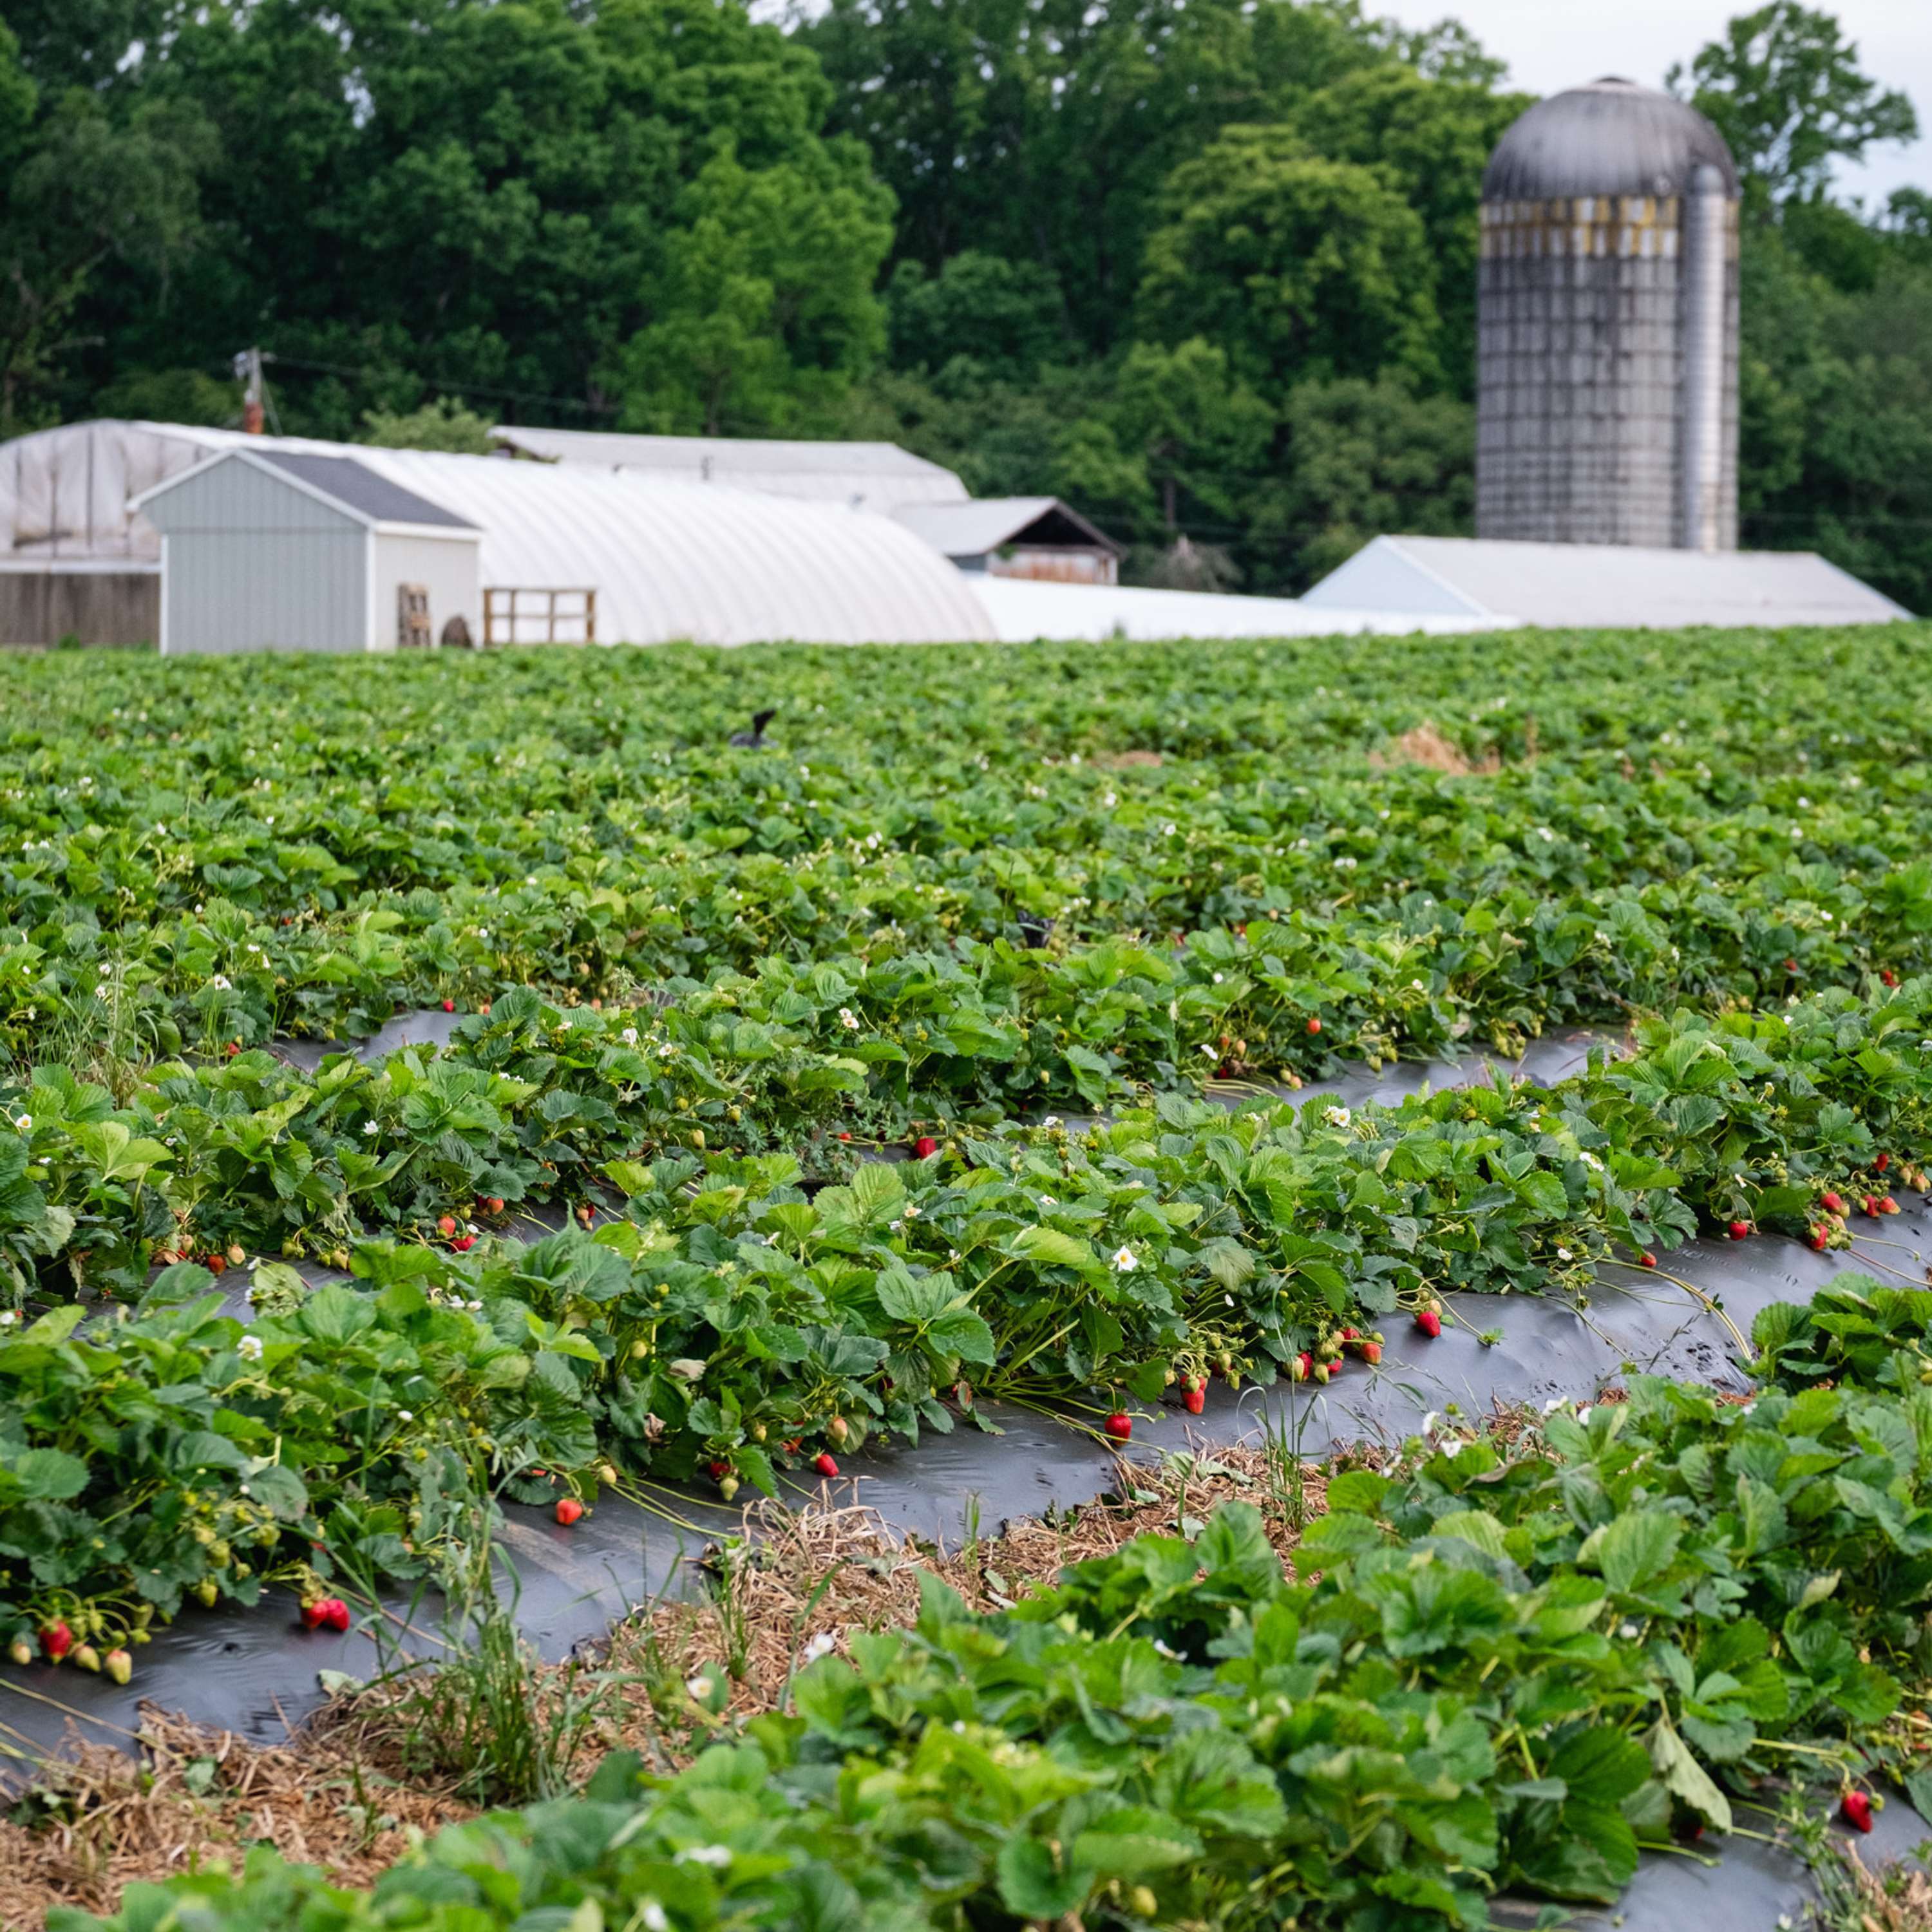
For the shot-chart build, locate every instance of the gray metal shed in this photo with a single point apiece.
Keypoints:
(279, 550)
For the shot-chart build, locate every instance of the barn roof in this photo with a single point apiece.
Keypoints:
(1605, 587)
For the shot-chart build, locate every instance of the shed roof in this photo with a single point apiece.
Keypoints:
(354, 487)
(987, 523)
(348, 487)
(861, 475)
(667, 560)
(1607, 586)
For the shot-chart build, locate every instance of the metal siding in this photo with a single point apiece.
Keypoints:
(447, 568)
(258, 589)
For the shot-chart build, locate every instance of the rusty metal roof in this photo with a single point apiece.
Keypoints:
(1610, 137)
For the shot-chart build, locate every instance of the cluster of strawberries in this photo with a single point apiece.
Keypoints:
(58, 1645)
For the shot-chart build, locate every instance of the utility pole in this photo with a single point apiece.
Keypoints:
(254, 392)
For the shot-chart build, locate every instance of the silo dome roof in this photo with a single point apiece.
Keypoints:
(1611, 137)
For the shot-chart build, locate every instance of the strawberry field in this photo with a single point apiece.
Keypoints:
(965, 1044)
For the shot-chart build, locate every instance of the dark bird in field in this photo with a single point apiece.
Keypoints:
(1035, 931)
(754, 740)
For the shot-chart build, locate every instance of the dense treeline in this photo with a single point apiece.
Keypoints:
(1207, 268)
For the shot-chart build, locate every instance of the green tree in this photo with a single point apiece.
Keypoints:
(443, 424)
(763, 308)
(1429, 140)
(1363, 459)
(83, 190)
(1044, 131)
(1298, 267)
(1199, 434)
(1784, 87)
(1006, 316)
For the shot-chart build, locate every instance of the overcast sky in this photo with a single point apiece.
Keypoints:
(1552, 44)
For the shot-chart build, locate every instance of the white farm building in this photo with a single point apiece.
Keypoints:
(204, 540)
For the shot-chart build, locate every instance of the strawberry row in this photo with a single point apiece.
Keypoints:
(726, 1322)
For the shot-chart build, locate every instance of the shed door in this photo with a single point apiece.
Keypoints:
(413, 630)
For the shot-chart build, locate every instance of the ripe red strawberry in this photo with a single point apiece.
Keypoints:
(824, 1464)
(1429, 1321)
(449, 1005)
(1370, 1352)
(1314, 1025)
(1817, 1238)
(335, 1614)
(717, 1469)
(1870, 1205)
(1887, 1205)
(445, 1225)
(1854, 1807)
(464, 1243)
(568, 1510)
(1883, 1161)
(1791, 965)
(1349, 1334)
(1890, 978)
(1738, 1230)
(56, 1640)
(925, 1146)
(312, 1610)
(1120, 1425)
(216, 1264)
(1194, 1400)
(118, 1665)
(1833, 1204)
(495, 1203)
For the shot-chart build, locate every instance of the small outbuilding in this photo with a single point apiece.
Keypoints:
(1036, 537)
(268, 549)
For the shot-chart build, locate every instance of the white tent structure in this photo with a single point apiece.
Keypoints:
(1021, 611)
(877, 476)
(666, 560)
(1598, 586)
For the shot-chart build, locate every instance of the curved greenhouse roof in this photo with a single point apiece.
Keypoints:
(667, 560)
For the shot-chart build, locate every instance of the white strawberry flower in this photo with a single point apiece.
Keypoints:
(1336, 1117)
(220, 982)
(370, 1127)
(822, 1645)
(848, 1019)
(1123, 1261)
(24, 1122)
(629, 1036)
(249, 1348)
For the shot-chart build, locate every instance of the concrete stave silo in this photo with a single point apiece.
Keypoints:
(1607, 325)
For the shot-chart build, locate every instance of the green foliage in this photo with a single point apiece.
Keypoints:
(762, 302)
(1784, 87)
(444, 424)
(1520, 1664)
(1294, 265)
(698, 981)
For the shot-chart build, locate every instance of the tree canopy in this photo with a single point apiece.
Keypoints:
(1207, 267)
